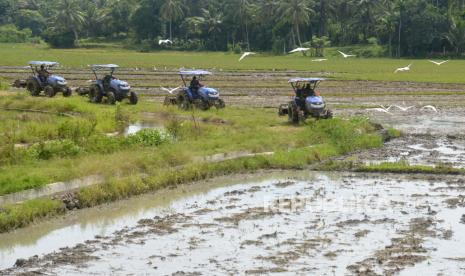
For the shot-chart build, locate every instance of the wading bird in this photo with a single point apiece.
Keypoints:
(346, 55)
(299, 50)
(429, 107)
(246, 54)
(403, 69)
(164, 41)
(438, 63)
(171, 91)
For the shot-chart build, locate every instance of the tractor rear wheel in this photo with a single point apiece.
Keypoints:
(49, 91)
(67, 92)
(202, 105)
(111, 98)
(133, 99)
(294, 113)
(183, 101)
(33, 87)
(95, 94)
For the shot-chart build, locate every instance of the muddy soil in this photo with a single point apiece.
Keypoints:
(296, 223)
(304, 223)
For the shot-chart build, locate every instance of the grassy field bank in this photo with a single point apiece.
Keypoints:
(75, 139)
(381, 69)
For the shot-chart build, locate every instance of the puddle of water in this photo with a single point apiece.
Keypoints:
(307, 223)
(136, 127)
(428, 151)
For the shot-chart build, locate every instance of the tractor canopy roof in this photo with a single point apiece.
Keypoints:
(45, 63)
(309, 80)
(194, 73)
(104, 66)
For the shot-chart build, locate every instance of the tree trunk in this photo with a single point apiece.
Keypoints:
(171, 33)
(322, 21)
(400, 30)
(247, 35)
(76, 36)
(298, 33)
(390, 44)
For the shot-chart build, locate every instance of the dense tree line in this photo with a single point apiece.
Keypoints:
(402, 27)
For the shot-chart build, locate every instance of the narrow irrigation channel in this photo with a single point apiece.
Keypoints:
(297, 222)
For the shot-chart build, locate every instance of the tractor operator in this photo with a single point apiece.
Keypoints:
(195, 85)
(43, 73)
(308, 91)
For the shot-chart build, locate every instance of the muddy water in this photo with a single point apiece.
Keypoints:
(420, 150)
(299, 223)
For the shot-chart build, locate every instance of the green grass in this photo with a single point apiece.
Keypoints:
(68, 147)
(405, 167)
(19, 215)
(64, 150)
(336, 67)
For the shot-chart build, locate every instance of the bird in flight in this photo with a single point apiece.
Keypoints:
(164, 41)
(246, 54)
(299, 50)
(171, 91)
(319, 59)
(346, 55)
(438, 63)
(403, 108)
(379, 109)
(403, 69)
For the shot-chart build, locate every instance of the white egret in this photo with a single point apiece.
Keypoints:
(346, 55)
(246, 54)
(403, 69)
(438, 63)
(171, 91)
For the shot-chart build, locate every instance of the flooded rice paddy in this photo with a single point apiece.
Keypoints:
(289, 222)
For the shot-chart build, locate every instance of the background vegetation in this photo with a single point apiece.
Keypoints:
(390, 27)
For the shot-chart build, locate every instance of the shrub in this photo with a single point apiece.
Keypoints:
(148, 137)
(59, 39)
(9, 33)
(63, 148)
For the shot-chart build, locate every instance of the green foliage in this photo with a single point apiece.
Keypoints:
(148, 137)
(59, 39)
(408, 27)
(10, 34)
(54, 149)
(17, 216)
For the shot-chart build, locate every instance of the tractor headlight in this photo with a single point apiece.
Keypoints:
(124, 86)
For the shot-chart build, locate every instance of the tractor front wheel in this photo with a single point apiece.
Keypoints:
(328, 114)
(33, 87)
(294, 113)
(95, 94)
(67, 92)
(49, 91)
(133, 99)
(111, 98)
(220, 104)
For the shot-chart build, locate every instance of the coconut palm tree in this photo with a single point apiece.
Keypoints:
(456, 35)
(172, 10)
(69, 16)
(296, 12)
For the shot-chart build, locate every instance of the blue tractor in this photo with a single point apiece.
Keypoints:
(111, 88)
(196, 94)
(43, 80)
(306, 102)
